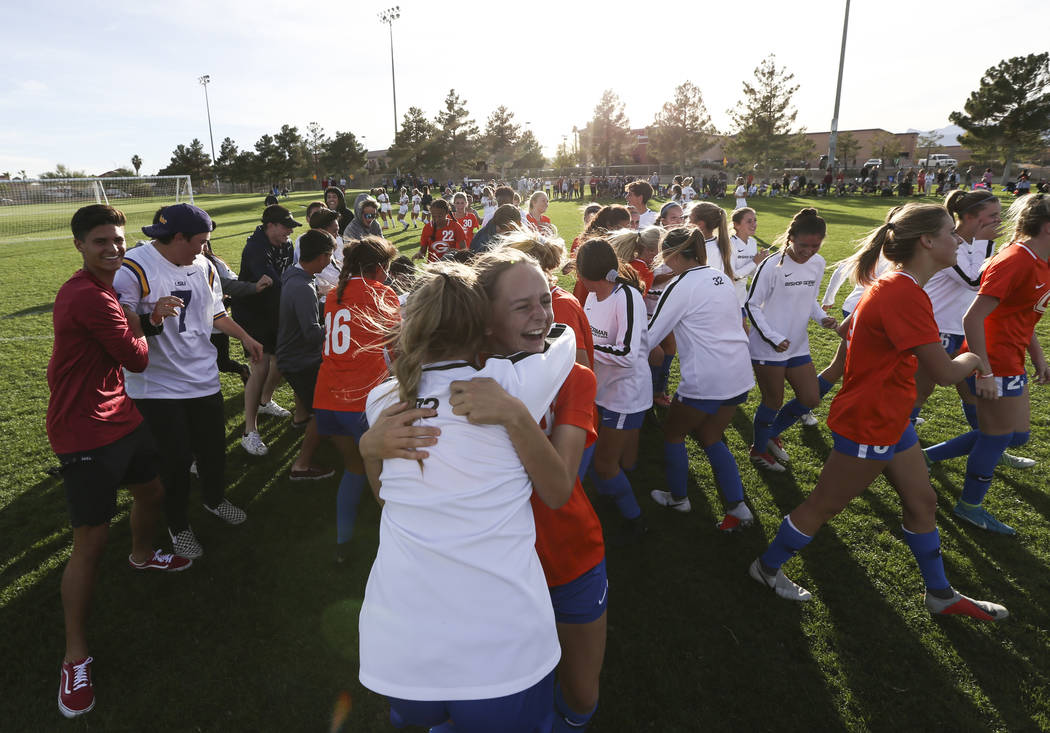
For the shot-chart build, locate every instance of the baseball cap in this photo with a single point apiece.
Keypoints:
(277, 214)
(186, 219)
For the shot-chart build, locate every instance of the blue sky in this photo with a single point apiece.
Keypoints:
(91, 84)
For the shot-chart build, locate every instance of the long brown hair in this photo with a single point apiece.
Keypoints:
(896, 239)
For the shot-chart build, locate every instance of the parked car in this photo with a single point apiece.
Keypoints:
(938, 160)
(116, 193)
(873, 162)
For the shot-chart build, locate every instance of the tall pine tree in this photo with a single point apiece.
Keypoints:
(458, 135)
(682, 129)
(609, 132)
(763, 119)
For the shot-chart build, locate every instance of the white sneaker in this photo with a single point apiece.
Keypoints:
(185, 544)
(252, 442)
(809, 420)
(227, 512)
(1012, 461)
(666, 498)
(273, 409)
(776, 449)
(918, 421)
(780, 583)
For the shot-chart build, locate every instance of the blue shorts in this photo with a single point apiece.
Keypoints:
(711, 406)
(875, 452)
(795, 361)
(845, 314)
(528, 711)
(952, 342)
(582, 600)
(339, 422)
(1005, 386)
(621, 420)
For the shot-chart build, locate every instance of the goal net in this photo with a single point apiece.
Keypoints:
(38, 210)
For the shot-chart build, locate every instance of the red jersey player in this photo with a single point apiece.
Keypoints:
(465, 216)
(441, 235)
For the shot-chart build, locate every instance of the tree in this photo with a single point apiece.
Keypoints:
(846, 149)
(317, 143)
(927, 144)
(501, 135)
(191, 161)
(268, 159)
(414, 146)
(763, 119)
(247, 168)
(1009, 114)
(609, 131)
(61, 171)
(293, 156)
(136, 163)
(682, 129)
(344, 154)
(529, 152)
(457, 132)
(564, 157)
(226, 163)
(886, 146)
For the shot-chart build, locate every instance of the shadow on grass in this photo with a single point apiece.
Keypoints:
(33, 311)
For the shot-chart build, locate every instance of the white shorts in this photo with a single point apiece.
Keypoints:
(403, 210)
(415, 209)
(385, 207)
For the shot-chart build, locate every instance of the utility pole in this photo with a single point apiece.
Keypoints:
(833, 138)
(204, 81)
(388, 16)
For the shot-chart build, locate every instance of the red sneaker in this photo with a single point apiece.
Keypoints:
(170, 563)
(76, 694)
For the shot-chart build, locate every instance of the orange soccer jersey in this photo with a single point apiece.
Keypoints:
(1018, 278)
(469, 223)
(644, 274)
(569, 540)
(353, 362)
(446, 238)
(878, 388)
(568, 310)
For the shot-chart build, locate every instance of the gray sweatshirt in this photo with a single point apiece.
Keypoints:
(300, 334)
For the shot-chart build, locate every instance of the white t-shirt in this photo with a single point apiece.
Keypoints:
(621, 350)
(700, 306)
(953, 289)
(688, 193)
(457, 606)
(780, 304)
(647, 218)
(181, 357)
(743, 264)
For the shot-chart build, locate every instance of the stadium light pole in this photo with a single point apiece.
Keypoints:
(204, 81)
(834, 137)
(388, 16)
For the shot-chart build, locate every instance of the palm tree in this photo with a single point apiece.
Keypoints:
(136, 163)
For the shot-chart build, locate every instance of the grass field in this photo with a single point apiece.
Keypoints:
(261, 633)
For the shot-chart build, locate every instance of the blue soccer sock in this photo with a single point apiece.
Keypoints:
(619, 488)
(763, 424)
(676, 469)
(926, 547)
(351, 486)
(915, 413)
(654, 374)
(727, 475)
(970, 413)
(664, 375)
(785, 545)
(824, 385)
(1019, 439)
(981, 465)
(567, 720)
(959, 446)
(788, 415)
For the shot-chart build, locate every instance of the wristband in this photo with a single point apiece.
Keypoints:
(986, 376)
(148, 329)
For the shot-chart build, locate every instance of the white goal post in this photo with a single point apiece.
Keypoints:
(36, 210)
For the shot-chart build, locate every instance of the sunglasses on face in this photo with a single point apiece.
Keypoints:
(369, 216)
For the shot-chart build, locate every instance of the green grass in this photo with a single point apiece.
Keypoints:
(261, 634)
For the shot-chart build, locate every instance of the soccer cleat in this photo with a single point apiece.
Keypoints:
(1012, 461)
(227, 512)
(960, 605)
(185, 544)
(253, 443)
(766, 461)
(918, 421)
(776, 449)
(76, 693)
(170, 563)
(779, 583)
(311, 473)
(274, 410)
(667, 499)
(736, 519)
(981, 517)
(809, 420)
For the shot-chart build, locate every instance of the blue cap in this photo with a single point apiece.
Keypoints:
(184, 219)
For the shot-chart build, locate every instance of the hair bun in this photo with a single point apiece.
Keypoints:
(807, 212)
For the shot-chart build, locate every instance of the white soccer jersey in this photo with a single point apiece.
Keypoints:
(700, 306)
(780, 303)
(416, 201)
(841, 274)
(621, 350)
(652, 295)
(647, 218)
(743, 264)
(181, 357)
(714, 255)
(456, 605)
(740, 193)
(953, 289)
(688, 193)
(404, 204)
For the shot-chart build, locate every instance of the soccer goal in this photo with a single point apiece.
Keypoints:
(38, 210)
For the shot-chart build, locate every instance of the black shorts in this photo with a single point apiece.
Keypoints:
(93, 477)
(262, 330)
(302, 383)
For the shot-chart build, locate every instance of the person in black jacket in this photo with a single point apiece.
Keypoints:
(336, 201)
(268, 251)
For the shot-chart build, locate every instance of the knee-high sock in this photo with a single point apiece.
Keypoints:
(914, 413)
(619, 488)
(785, 545)
(788, 415)
(1019, 439)
(926, 547)
(567, 720)
(959, 446)
(763, 426)
(676, 469)
(663, 374)
(351, 486)
(727, 475)
(970, 413)
(981, 465)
